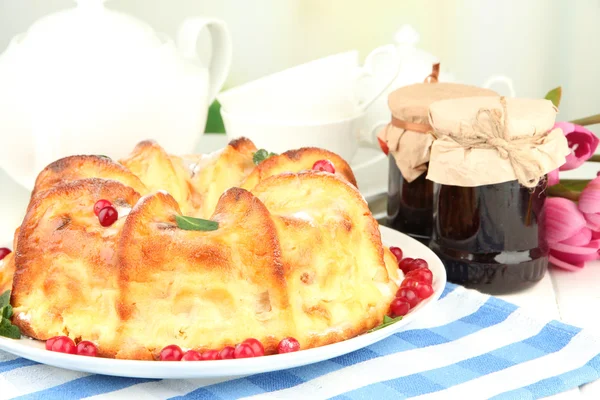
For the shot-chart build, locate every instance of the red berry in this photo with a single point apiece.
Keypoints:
(107, 216)
(399, 307)
(191, 355)
(171, 352)
(243, 350)
(397, 251)
(325, 166)
(423, 275)
(424, 291)
(64, 344)
(384, 146)
(4, 252)
(50, 342)
(100, 204)
(210, 355)
(409, 296)
(418, 263)
(405, 264)
(227, 353)
(410, 283)
(86, 348)
(288, 345)
(256, 346)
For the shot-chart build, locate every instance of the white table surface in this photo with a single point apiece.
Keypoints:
(572, 297)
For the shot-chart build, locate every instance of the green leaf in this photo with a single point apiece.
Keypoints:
(9, 330)
(387, 321)
(6, 312)
(214, 122)
(5, 299)
(554, 96)
(261, 155)
(195, 224)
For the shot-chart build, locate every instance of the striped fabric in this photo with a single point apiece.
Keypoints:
(469, 345)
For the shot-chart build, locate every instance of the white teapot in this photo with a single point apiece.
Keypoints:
(90, 80)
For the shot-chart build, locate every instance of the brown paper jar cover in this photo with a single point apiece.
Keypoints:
(411, 149)
(528, 123)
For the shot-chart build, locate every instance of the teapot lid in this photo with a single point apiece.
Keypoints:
(88, 29)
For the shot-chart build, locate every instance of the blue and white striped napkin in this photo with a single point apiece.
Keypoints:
(469, 345)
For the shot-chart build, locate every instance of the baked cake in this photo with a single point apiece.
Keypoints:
(296, 253)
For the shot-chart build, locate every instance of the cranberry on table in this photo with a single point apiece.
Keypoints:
(210, 355)
(191, 355)
(243, 350)
(63, 344)
(324, 166)
(256, 345)
(171, 352)
(399, 308)
(4, 252)
(423, 275)
(409, 296)
(397, 251)
(108, 216)
(100, 204)
(87, 348)
(424, 291)
(227, 353)
(288, 345)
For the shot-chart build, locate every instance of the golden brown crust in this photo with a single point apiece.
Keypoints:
(335, 294)
(296, 161)
(210, 289)
(81, 167)
(66, 267)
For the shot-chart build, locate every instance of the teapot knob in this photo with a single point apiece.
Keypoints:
(407, 35)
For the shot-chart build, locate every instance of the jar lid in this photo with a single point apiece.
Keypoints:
(411, 103)
(488, 140)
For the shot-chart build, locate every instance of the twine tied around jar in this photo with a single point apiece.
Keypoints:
(490, 132)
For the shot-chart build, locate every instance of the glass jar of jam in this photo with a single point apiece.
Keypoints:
(408, 138)
(491, 237)
(489, 162)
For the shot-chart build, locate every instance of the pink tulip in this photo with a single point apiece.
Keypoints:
(582, 142)
(589, 204)
(571, 242)
(553, 178)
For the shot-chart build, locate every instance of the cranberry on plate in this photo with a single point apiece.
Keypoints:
(423, 275)
(243, 350)
(256, 345)
(87, 348)
(191, 355)
(288, 345)
(399, 307)
(61, 344)
(227, 353)
(171, 352)
(210, 355)
(397, 251)
(409, 296)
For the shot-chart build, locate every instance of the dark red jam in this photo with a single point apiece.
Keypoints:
(491, 237)
(410, 205)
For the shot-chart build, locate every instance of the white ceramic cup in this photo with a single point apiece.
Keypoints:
(342, 137)
(314, 105)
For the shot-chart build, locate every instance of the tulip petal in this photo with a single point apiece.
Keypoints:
(563, 219)
(575, 258)
(589, 200)
(581, 238)
(553, 178)
(566, 127)
(565, 265)
(593, 221)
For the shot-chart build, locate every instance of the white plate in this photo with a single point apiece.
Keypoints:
(34, 350)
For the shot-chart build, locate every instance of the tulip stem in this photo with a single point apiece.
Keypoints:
(594, 119)
(561, 191)
(594, 158)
